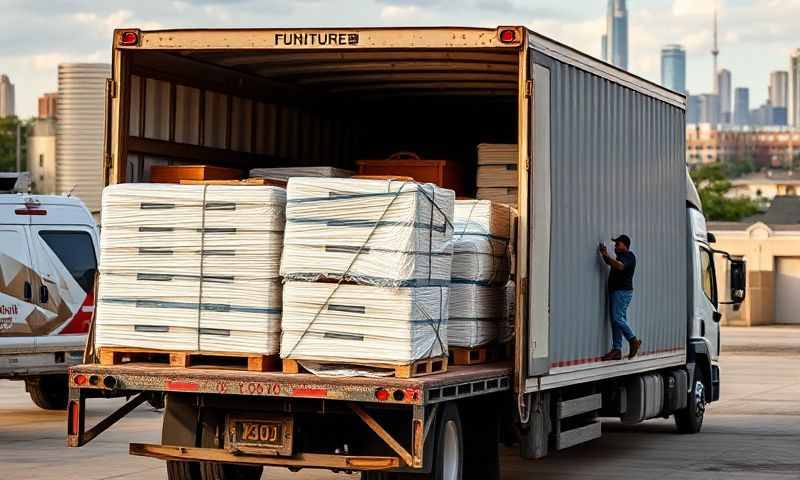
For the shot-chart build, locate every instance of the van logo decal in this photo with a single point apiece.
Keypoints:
(305, 39)
(6, 316)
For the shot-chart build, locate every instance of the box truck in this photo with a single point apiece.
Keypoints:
(48, 246)
(600, 152)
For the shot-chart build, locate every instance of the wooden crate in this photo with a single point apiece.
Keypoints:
(422, 367)
(176, 173)
(251, 361)
(444, 173)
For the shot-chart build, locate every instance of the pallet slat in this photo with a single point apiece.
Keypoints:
(251, 361)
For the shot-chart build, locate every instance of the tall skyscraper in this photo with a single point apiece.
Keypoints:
(693, 109)
(6, 97)
(715, 54)
(794, 88)
(47, 105)
(615, 41)
(724, 92)
(709, 108)
(779, 88)
(673, 68)
(741, 106)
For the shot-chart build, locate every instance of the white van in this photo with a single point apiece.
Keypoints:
(48, 263)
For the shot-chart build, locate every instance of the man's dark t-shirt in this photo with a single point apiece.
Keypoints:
(622, 279)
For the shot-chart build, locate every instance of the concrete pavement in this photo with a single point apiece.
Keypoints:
(752, 433)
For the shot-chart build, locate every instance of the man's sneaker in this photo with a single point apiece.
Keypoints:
(635, 343)
(612, 355)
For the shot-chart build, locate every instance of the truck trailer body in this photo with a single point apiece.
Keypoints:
(601, 152)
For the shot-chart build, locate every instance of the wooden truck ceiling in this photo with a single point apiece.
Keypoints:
(371, 72)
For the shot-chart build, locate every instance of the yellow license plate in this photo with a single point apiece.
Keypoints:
(266, 436)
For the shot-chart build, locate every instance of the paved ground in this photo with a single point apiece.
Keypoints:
(753, 433)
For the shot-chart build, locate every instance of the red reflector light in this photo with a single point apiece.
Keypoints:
(30, 211)
(79, 379)
(508, 36)
(174, 385)
(129, 38)
(382, 394)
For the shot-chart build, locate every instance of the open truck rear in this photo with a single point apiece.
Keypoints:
(601, 152)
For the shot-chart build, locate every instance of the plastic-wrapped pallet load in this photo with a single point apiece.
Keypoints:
(158, 241)
(480, 269)
(375, 232)
(363, 324)
(497, 172)
(285, 173)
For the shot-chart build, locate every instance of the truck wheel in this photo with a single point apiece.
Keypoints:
(447, 464)
(48, 392)
(690, 419)
(183, 470)
(229, 471)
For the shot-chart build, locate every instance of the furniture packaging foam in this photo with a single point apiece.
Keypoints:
(377, 232)
(159, 240)
(352, 324)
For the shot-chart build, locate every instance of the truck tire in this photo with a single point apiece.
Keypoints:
(229, 471)
(690, 419)
(48, 392)
(183, 470)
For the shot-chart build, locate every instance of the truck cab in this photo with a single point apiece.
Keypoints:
(48, 260)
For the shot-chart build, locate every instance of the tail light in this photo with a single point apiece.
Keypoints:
(399, 395)
(508, 35)
(129, 38)
(382, 394)
(79, 379)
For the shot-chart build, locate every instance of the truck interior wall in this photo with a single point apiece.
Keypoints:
(616, 166)
(178, 115)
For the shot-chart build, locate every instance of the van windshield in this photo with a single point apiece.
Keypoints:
(76, 252)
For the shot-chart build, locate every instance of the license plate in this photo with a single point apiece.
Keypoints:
(268, 435)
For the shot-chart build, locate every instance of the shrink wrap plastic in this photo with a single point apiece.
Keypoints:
(343, 323)
(158, 241)
(372, 232)
(480, 269)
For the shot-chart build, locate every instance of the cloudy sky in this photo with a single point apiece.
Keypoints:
(756, 35)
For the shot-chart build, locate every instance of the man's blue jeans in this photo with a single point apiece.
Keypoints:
(619, 301)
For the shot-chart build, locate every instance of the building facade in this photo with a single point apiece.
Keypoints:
(80, 130)
(794, 89)
(673, 68)
(770, 244)
(42, 155)
(741, 106)
(7, 96)
(724, 92)
(47, 105)
(779, 89)
(766, 146)
(615, 41)
(709, 108)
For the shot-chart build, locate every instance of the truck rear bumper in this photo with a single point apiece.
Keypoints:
(24, 364)
(303, 460)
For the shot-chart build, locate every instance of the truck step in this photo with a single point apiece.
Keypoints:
(575, 436)
(235, 360)
(422, 367)
(474, 355)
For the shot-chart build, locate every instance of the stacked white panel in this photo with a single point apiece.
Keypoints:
(352, 324)
(158, 241)
(377, 232)
(285, 173)
(480, 269)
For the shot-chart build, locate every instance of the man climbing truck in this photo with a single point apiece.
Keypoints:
(278, 97)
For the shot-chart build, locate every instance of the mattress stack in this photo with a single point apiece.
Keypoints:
(497, 173)
(480, 272)
(191, 267)
(367, 264)
(283, 174)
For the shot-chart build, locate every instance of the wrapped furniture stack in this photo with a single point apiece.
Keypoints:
(497, 173)
(367, 265)
(191, 268)
(480, 272)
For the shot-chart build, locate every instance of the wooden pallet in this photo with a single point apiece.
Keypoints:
(422, 367)
(474, 355)
(250, 361)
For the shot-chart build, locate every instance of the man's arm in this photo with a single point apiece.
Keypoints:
(611, 262)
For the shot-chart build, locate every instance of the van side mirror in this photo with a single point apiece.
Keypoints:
(737, 280)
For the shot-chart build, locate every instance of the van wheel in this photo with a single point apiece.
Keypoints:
(183, 470)
(48, 392)
(690, 419)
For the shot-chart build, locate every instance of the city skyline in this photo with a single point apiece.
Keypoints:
(755, 36)
(614, 43)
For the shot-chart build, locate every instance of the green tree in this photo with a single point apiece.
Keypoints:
(739, 166)
(712, 185)
(8, 143)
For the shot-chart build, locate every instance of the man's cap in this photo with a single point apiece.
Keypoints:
(624, 239)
